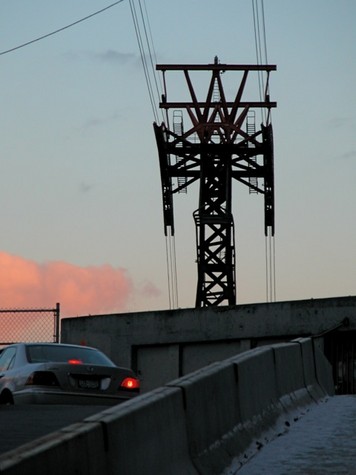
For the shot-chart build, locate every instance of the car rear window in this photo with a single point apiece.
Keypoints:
(65, 354)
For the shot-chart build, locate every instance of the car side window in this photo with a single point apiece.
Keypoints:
(7, 358)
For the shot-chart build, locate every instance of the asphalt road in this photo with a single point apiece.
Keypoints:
(22, 424)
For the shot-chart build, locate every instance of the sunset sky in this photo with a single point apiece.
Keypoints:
(81, 210)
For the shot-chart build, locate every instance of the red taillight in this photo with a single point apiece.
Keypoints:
(42, 378)
(74, 361)
(132, 384)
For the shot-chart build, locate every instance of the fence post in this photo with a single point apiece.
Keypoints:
(57, 318)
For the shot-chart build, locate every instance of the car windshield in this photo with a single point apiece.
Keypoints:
(66, 354)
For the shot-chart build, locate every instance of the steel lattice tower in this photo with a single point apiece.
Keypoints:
(222, 143)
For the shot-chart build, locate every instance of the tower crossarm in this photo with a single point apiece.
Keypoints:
(216, 66)
(243, 104)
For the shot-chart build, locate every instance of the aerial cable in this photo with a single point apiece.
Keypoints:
(171, 270)
(147, 53)
(150, 46)
(60, 29)
(261, 55)
(264, 32)
(270, 252)
(257, 40)
(267, 267)
(258, 46)
(154, 57)
(168, 272)
(266, 87)
(143, 58)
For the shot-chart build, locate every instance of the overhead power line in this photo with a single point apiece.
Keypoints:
(261, 54)
(148, 57)
(147, 52)
(60, 29)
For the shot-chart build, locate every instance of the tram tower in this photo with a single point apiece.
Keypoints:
(221, 143)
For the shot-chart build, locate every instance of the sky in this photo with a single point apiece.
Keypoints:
(81, 214)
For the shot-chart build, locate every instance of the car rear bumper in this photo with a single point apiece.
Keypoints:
(34, 396)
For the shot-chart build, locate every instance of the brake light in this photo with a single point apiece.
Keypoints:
(131, 384)
(42, 378)
(75, 361)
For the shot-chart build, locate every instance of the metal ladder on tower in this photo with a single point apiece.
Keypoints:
(251, 130)
(178, 130)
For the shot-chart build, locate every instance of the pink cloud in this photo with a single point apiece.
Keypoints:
(79, 290)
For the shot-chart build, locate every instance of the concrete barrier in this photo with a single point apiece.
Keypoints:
(291, 388)
(323, 370)
(310, 379)
(260, 407)
(78, 449)
(211, 409)
(236, 406)
(198, 424)
(257, 385)
(147, 435)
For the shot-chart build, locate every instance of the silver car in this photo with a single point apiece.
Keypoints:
(53, 373)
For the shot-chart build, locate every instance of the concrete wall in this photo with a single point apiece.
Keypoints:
(181, 341)
(198, 424)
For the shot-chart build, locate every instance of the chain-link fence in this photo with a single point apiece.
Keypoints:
(29, 325)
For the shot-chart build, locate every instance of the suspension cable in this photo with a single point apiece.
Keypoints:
(174, 273)
(270, 252)
(257, 42)
(264, 31)
(258, 23)
(150, 45)
(153, 57)
(143, 58)
(171, 270)
(148, 56)
(168, 272)
(261, 55)
(267, 267)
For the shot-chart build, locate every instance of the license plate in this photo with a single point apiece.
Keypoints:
(88, 383)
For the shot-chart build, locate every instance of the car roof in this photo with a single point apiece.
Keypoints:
(43, 343)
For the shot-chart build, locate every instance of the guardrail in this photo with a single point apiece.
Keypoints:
(198, 424)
